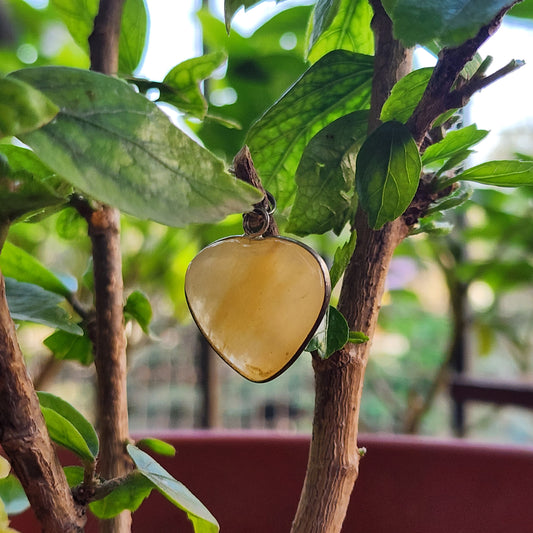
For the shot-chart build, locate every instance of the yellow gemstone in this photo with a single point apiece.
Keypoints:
(257, 301)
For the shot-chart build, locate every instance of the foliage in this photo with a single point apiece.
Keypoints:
(304, 114)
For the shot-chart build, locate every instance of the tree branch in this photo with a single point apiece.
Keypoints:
(25, 439)
(110, 349)
(438, 96)
(333, 464)
(243, 168)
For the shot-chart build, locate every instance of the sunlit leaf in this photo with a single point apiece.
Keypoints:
(120, 148)
(405, 95)
(70, 347)
(326, 177)
(31, 303)
(455, 142)
(388, 172)
(13, 495)
(157, 445)
(18, 264)
(5, 467)
(133, 31)
(78, 16)
(23, 108)
(338, 83)
(342, 258)
(203, 521)
(181, 86)
(450, 22)
(231, 7)
(358, 337)
(340, 24)
(68, 427)
(500, 173)
(4, 520)
(138, 307)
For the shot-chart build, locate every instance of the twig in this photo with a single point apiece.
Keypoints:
(110, 346)
(460, 97)
(243, 168)
(436, 98)
(25, 439)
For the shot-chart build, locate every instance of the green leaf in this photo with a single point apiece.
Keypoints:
(340, 25)
(120, 148)
(23, 108)
(331, 335)
(70, 347)
(31, 303)
(450, 22)
(500, 173)
(337, 84)
(433, 227)
(326, 177)
(231, 7)
(203, 521)
(341, 259)
(455, 142)
(452, 163)
(78, 16)
(68, 427)
(358, 337)
(405, 95)
(523, 10)
(457, 198)
(70, 224)
(74, 475)
(5, 467)
(13, 495)
(18, 264)
(338, 331)
(26, 184)
(128, 495)
(138, 307)
(387, 173)
(132, 35)
(158, 446)
(181, 86)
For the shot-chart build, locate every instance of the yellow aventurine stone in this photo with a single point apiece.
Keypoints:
(257, 301)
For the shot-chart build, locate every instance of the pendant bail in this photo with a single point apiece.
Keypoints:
(256, 223)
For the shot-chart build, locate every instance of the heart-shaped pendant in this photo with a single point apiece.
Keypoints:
(258, 301)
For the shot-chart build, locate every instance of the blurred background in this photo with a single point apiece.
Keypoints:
(453, 354)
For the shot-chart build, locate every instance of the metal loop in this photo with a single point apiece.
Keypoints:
(250, 222)
(271, 203)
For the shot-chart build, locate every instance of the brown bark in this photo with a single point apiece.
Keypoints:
(333, 464)
(110, 348)
(334, 459)
(25, 440)
(110, 354)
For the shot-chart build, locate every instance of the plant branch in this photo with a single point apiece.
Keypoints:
(25, 439)
(110, 346)
(85, 493)
(243, 168)
(438, 96)
(333, 464)
(460, 97)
